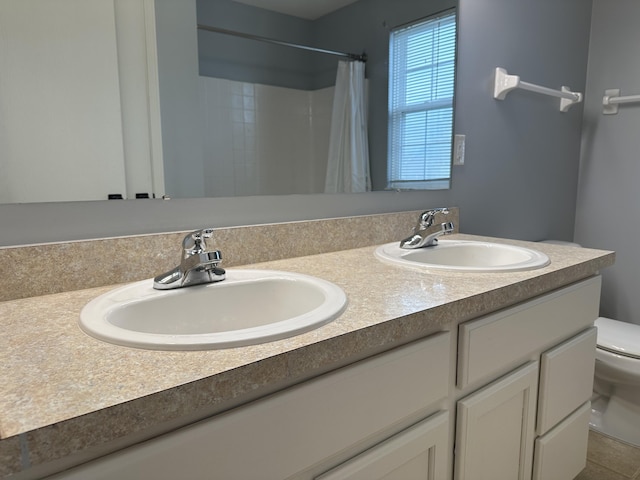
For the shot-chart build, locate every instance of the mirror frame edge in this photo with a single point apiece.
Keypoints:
(26, 224)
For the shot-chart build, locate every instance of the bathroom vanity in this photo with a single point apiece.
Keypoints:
(391, 416)
(497, 367)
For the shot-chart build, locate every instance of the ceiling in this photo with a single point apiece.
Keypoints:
(308, 9)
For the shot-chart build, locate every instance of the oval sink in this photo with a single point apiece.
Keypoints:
(249, 307)
(464, 256)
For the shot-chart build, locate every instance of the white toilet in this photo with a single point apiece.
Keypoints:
(615, 406)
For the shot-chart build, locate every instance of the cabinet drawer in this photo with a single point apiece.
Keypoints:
(561, 454)
(494, 344)
(287, 432)
(566, 379)
(419, 452)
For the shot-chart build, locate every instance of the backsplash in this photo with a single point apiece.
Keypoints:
(60, 267)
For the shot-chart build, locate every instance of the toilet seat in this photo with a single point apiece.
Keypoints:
(617, 368)
(618, 337)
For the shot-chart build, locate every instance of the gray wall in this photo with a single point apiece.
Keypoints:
(521, 171)
(608, 213)
(240, 59)
(519, 181)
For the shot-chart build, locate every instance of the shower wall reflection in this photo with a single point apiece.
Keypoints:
(262, 139)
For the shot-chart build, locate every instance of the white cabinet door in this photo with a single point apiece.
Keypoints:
(496, 428)
(418, 453)
(566, 379)
(561, 454)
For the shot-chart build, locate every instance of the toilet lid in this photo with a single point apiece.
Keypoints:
(619, 337)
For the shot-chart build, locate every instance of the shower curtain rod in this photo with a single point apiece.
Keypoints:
(352, 56)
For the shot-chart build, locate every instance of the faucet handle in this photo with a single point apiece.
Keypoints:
(427, 217)
(447, 227)
(195, 242)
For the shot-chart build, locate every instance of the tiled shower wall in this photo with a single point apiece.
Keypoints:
(261, 139)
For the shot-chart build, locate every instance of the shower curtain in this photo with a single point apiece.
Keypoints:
(348, 162)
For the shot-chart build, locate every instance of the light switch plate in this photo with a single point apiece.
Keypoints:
(458, 149)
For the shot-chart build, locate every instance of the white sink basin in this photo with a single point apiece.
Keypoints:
(464, 256)
(249, 307)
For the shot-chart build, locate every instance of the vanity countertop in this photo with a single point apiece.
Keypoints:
(67, 395)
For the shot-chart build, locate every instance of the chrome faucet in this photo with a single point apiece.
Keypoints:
(421, 237)
(198, 264)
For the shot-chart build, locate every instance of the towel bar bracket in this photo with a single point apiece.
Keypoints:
(612, 99)
(504, 83)
(608, 107)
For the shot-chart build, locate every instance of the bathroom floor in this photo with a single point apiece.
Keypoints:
(608, 459)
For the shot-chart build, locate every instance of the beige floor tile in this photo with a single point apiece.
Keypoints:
(618, 457)
(593, 471)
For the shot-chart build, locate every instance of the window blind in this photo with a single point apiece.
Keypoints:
(421, 85)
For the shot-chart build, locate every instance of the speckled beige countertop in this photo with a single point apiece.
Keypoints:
(66, 396)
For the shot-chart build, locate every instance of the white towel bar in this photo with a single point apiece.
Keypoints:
(612, 99)
(504, 83)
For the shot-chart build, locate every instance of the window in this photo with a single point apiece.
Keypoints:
(421, 84)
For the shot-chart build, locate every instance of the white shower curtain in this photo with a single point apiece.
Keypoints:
(348, 162)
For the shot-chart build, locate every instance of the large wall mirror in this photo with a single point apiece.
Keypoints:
(264, 113)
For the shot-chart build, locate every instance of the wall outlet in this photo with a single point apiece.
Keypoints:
(458, 149)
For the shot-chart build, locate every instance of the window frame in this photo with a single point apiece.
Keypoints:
(398, 111)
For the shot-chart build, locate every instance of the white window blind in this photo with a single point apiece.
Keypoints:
(421, 84)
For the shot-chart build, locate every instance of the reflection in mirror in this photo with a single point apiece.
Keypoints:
(271, 111)
(82, 120)
(79, 116)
